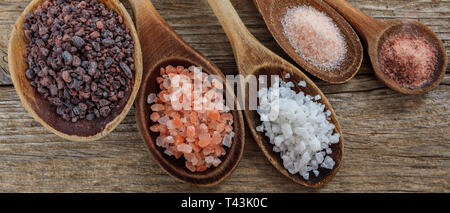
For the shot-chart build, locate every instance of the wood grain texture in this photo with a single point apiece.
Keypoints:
(393, 142)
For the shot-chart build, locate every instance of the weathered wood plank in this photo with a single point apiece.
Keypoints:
(393, 142)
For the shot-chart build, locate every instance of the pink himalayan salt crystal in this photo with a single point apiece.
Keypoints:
(151, 98)
(315, 37)
(185, 148)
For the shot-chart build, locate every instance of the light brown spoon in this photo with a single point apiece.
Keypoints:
(273, 12)
(41, 109)
(375, 32)
(162, 46)
(253, 58)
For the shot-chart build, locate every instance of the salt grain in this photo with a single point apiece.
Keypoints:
(260, 128)
(315, 37)
(209, 159)
(328, 163)
(227, 140)
(216, 162)
(168, 152)
(163, 120)
(185, 148)
(287, 75)
(151, 98)
(302, 83)
(316, 173)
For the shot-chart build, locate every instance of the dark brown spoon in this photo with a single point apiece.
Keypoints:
(273, 12)
(253, 58)
(41, 109)
(375, 32)
(162, 46)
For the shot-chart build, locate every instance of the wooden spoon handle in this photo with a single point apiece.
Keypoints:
(249, 53)
(158, 40)
(367, 27)
(145, 14)
(229, 19)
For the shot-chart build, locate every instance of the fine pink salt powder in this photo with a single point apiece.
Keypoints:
(315, 37)
(408, 60)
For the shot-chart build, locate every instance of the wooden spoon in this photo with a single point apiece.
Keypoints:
(273, 12)
(253, 58)
(41, 109)
(375, 32)
(162, 46)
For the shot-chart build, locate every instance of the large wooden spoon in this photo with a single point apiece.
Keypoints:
(375, 32)
(253, 58)
(162, 46)
(273, 12)
(40, 107)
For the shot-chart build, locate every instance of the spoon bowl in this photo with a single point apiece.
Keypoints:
(253, 119)
(273, 12)
(162, 46)
(375, 32)
(41, 109)
(253, 58)
(414, 28)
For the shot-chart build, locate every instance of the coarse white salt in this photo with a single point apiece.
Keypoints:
(228, 140)
(302, 83)
(301, 131)
(288, 75)
(260, 128)
(315, 37)
(328, 163)
(316, 173)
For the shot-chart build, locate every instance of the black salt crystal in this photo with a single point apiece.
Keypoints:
(67, 57)
(78, 41)
(126, 70)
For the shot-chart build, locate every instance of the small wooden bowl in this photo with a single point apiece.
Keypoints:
(41, 109)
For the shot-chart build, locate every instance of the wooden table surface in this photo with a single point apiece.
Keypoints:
(393, 142)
